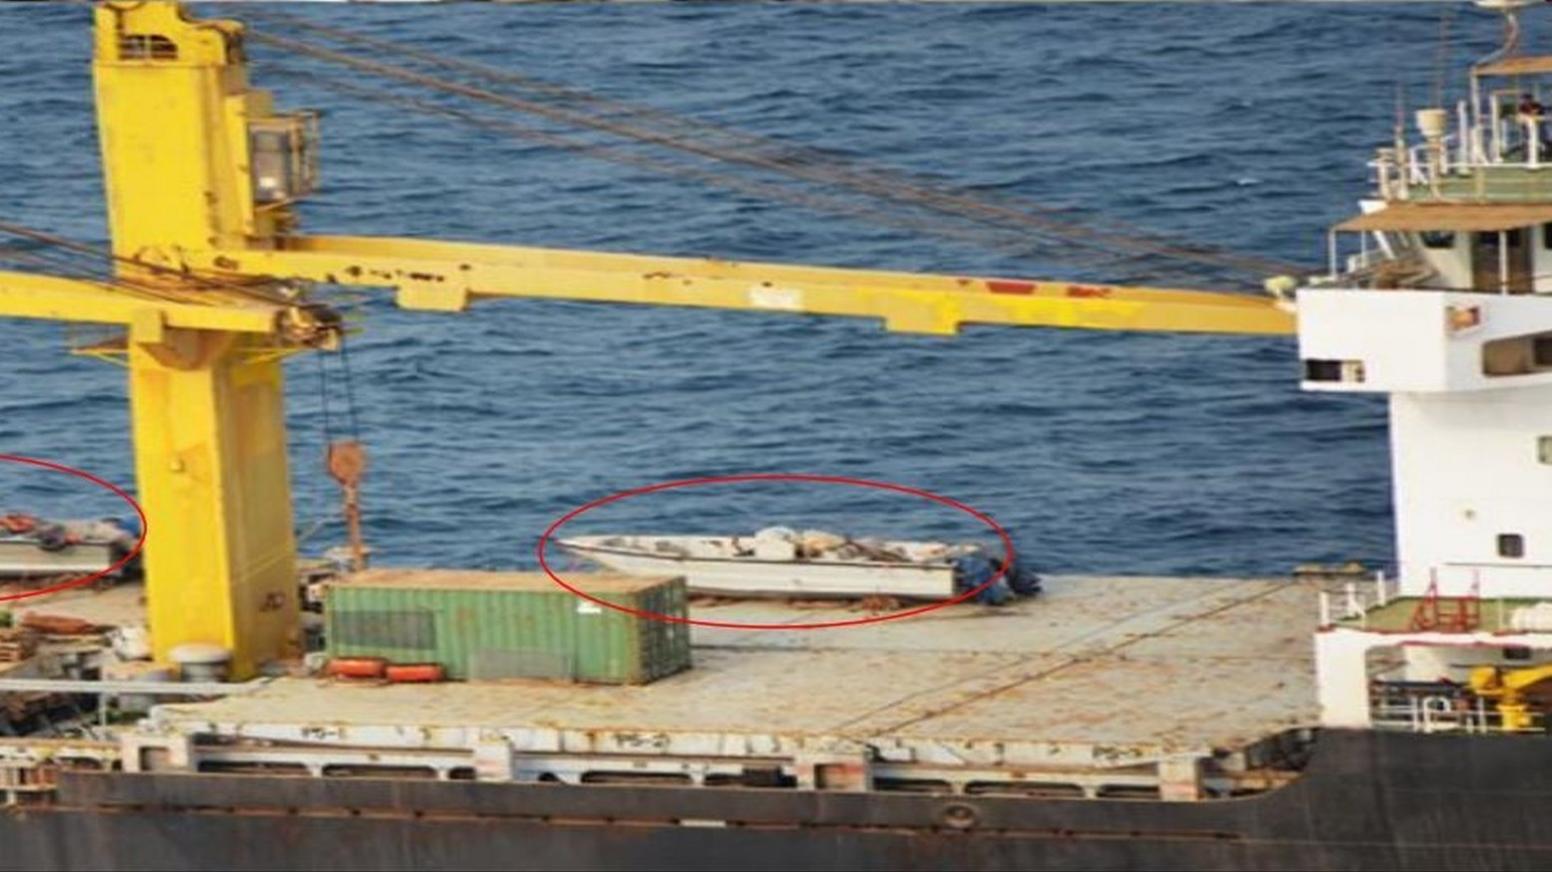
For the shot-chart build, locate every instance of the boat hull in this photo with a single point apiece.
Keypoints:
(1367, 801)
(747, 576)
(23, 558)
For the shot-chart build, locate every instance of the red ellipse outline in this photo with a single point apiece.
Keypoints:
(106, 485)
(1002, 534)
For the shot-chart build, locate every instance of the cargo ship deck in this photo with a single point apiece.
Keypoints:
(1103, 679)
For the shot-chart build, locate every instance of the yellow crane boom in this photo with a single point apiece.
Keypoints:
(149, 316)
(201, 174)
(449, 275)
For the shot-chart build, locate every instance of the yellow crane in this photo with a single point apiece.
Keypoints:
(212, 277)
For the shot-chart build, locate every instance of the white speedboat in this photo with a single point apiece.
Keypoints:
(779, 561)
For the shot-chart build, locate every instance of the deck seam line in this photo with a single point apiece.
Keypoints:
(1272, 587)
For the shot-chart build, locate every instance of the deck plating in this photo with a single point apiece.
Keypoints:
(1107, 681)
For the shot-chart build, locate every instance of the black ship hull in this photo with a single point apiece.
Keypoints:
(1367, 800)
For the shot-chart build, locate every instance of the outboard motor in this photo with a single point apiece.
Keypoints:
(974, 570)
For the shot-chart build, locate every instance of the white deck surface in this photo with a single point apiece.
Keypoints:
(1095, 669)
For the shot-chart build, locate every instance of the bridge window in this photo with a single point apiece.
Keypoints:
(1511, 545)
(1517, 355)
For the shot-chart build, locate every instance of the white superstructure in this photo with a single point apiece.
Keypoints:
(1447, 308)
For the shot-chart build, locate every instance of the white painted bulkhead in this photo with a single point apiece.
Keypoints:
(1471, 426)
(1470, 403)
(1422, 341)
(1473, 491)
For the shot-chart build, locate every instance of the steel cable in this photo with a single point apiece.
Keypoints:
(807, 165)
(1017, 246)
(879, 181)
(58, 243)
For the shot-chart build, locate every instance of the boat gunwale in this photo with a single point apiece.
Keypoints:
(569, 545)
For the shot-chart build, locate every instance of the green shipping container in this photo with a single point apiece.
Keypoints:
(492, 625)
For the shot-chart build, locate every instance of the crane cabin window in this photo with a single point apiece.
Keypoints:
(283, 157)
(147, 47)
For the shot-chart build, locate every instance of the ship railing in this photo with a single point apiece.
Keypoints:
(1397, 170)
(1515, 144)
(1354, 600)
(1428, 707)
(1439, 714)
(1443, 714)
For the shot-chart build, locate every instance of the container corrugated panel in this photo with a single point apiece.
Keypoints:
(491, 625)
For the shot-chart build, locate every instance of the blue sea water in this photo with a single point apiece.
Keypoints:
(1243, 125)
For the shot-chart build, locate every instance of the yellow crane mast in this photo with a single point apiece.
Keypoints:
(202, 173)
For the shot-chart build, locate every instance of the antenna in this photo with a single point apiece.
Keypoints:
(1511, 13)
(1400, 126)
(1441, 62)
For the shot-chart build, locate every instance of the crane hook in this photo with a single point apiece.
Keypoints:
(346, 462)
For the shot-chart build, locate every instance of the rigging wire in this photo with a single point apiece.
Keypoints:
(71, 265)
(49, 263)
(512, 103)
(63, 267)
(792, 152)
(330, 514)
(1442, 57)
(808, 164)
(350, 390)
(257, 292)
(85, 262)
(985, 237)
(323, 401)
